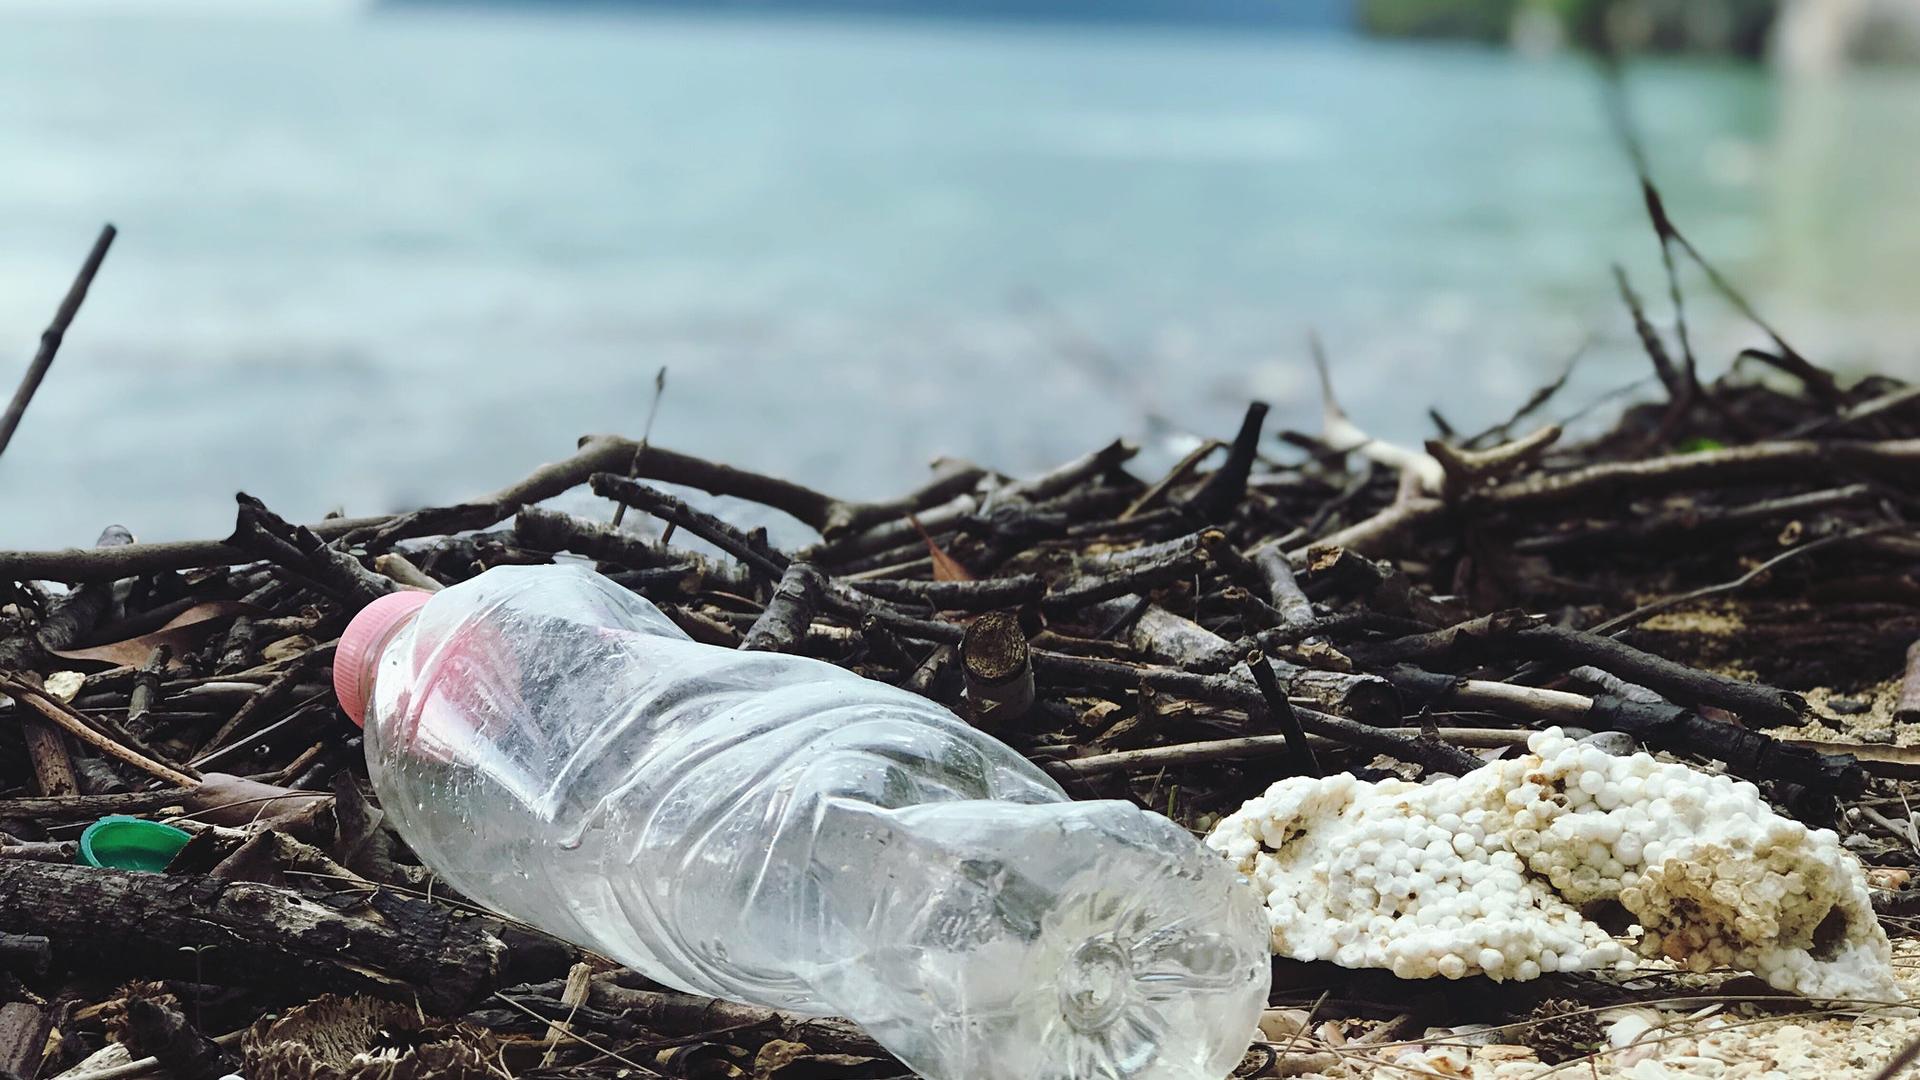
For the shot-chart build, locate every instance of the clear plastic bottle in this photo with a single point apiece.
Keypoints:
(776, 830)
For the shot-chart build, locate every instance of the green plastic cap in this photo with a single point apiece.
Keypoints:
(119, 842)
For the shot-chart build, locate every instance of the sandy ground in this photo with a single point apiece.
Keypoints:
(1730, 1041)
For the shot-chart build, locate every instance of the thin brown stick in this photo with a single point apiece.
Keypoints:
(55, 333)
(1180, 471)
(1256, 747)
(646, 437)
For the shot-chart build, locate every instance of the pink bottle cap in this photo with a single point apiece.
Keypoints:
(369, 630)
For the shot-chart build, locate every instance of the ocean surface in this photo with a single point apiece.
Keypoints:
(371, 260)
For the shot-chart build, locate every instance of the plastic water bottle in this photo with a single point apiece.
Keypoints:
(776, 830)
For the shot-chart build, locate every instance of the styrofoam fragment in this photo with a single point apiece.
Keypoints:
(1488, 873)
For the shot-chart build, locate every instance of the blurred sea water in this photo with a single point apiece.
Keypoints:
(373, 260)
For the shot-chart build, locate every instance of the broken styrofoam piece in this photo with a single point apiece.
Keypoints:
(1498, 872)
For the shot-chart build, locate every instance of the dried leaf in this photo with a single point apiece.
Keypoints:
(945, 566)
(780, 1059)
(181, 633)
(287, 648)
(360, 844)
(224, 799)
(65, 685)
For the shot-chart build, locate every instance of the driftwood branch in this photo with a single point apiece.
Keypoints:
(1506, 634)
(755, 553)
(1104, 577)
(782, 627)
(550, 530)
(299, 551)
(255, 935)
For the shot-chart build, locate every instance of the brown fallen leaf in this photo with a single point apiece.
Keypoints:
(224, 799)
(181, 633)
(945, 566)
(780, 1059)
(287, 648)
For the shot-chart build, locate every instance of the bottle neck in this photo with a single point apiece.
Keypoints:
(365, 638)
(370, 662)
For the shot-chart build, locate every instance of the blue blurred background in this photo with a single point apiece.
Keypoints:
(379, 255)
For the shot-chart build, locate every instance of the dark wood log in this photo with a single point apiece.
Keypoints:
(1758, 705)
(136, 925)
(1283, 592)
(1907, 709)
(29, 954)
(999, 671)
(23, 1038)
(73, 808)
(163, 1033)
(1893, 459)
(946, 516)
(1151, 759)
(51, 758)
(146, 691)
(1693, 522)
